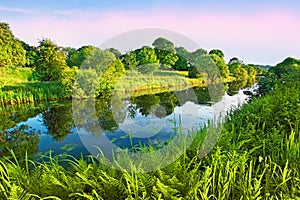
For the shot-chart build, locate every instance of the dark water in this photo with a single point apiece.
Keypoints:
(68, 126)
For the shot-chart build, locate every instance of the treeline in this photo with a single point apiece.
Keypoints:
(49, 60)
(92, 72)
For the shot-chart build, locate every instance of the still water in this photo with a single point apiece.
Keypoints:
(151, 119)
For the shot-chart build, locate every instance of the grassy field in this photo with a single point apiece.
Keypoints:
(257, 156)
(13, 76)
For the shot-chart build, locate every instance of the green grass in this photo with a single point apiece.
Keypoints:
(31, 92)
(136, 82)
(12, 76)
(256, 157)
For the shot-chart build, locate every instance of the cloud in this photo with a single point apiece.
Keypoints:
(18, 10)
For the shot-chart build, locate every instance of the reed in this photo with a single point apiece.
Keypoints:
(31, 92)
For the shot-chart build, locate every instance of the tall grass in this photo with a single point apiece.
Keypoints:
(256, 157)
(31, 92)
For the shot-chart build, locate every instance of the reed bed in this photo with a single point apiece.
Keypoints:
(31, 92)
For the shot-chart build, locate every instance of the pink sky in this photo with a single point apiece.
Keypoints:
(261, 37)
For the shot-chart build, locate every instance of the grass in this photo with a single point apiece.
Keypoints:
(256, 157)
(31, 92)
(16, 87)
(14, 76)
(159, 80)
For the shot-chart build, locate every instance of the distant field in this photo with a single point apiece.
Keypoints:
(12, 76)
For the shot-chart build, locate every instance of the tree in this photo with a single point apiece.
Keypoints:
(204, 66)
(164, 44)
(220, 63)
(234, 60)
(12, 53)
(165, 52)
(217, 52)
(130, 60)
(98, 59)
(59, 121)
(285, 67)
(182, 63)
(146, 55)
(196, 54)
(31, 54)
(51, 61)
(110, 77)
(238, 71)
(76, 58)
(115, 51)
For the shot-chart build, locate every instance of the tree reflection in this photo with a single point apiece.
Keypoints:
(235, 86)
(58, 120)
(20, 140)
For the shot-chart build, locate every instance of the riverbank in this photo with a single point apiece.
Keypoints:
(22, 91)
(257, 156)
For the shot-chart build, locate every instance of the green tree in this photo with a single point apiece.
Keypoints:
(130, 60)
(238, 71)
(59, 121)
(234, 60)
(205, 67)
(98, 59)
(147, 58)
(86, 83)
(182, 63)
(196, 54)
(285, 67)
(164, 44)
(76, 58)
(217, 52)
(51, 61)
(31, 54)
(110, 77)
(12, 53)
(220, 63)
(165, 52)
(115, 51)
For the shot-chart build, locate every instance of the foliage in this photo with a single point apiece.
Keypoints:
(220, 63)
(287, 66)
(130, 60)
(165, 52)
(12, 53)
(21, 139)
(115, 51)
(86, 84)
(216, 52)
(283, 72)
(76, 58)
(204, 66)
(146, 55)
(98, 60)
(51, 61)
(238, 71)
(110, 77)
(182, 63)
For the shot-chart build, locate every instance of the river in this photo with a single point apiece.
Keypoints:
(65, 126)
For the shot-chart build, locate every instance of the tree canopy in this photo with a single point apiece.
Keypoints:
(12, 53)
(51, 61)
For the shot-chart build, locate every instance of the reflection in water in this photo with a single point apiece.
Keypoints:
(234, 86)
(141, 120)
